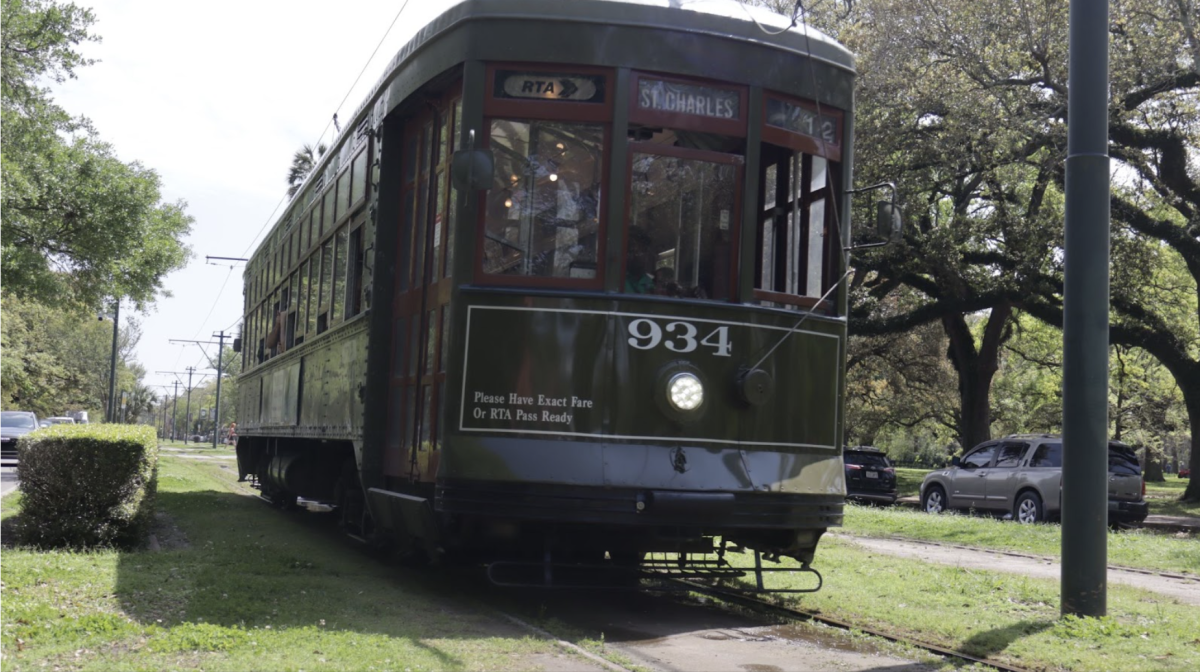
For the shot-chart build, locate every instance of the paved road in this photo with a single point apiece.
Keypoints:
(9, 475)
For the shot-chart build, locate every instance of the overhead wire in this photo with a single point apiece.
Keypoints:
(329, 123)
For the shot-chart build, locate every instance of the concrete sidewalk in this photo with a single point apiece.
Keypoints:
(1153, 522)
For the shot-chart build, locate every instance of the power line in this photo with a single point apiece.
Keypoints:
(329, 123)
(217, 301)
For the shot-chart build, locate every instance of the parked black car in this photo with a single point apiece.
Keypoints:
(870, 477)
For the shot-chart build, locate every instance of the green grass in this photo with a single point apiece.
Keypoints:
(252, 588)
(1132, 548)
(908, 480)
(192, 445)
(1164, 498)
(1003, 616)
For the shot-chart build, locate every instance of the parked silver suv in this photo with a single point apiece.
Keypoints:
(1022, 473)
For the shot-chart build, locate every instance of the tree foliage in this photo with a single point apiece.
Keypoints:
(80, 225)
(965, 103)
(54, 360)
(303, 162)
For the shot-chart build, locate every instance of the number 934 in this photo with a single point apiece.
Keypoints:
(646, 334)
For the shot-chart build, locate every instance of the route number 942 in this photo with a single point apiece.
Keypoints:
(677, 337)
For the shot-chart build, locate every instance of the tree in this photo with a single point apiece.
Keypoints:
(303, 162)
(80, 226)
(54, 360)
(965, 103)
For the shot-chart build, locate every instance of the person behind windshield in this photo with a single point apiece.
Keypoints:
(639, 263)
(664, 282)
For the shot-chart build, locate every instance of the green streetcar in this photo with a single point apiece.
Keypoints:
(567, 291)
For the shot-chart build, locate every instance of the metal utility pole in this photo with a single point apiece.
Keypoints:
(220, 352)
(219, 344)
(174, 410)
(112, 370)
(1085, 318)
(187, 414)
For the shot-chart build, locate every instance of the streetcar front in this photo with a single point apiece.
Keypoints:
(654, 333)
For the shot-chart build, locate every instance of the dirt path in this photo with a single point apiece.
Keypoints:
(662, 634)
(1183, 590)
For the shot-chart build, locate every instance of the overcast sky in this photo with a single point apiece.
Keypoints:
(216, 97)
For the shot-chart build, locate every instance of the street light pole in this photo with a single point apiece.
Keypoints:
(112, 371)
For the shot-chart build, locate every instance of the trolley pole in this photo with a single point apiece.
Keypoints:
(174, 410)
(220, 352)
(1085, 318)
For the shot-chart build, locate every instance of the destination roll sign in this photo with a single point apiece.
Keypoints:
(549, 86)
(676, 98)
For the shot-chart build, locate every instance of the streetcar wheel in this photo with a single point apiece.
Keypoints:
(1028, 508)
(934, 500)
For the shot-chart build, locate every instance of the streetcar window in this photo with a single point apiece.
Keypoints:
(682, 210)
(314, 227)
(302, 301)
(543, 209)
(343, 194)
(358, 180)
(793, 227)
(327, 211)
(354, 274)
(339, 282)
(326, 285)
(314, 283)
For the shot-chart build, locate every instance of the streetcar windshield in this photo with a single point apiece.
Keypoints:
(682, 206)
(543, 208)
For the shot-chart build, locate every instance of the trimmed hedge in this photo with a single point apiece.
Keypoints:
(84, 486)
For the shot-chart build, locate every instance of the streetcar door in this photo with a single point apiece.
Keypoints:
(420, 309)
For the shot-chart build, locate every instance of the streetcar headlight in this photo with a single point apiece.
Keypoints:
(685, 391)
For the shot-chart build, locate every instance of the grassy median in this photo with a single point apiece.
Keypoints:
(238, 586)
(1001, 616)
(1132, 548)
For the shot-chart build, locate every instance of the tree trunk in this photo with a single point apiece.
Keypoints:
(976, 368)
(1152, 470)
(1191, 399)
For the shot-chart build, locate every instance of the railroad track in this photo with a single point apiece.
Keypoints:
(759, 605)
(1193, 578)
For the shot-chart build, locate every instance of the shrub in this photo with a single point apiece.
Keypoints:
(87, 485)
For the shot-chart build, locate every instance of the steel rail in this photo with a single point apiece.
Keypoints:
(756, 604)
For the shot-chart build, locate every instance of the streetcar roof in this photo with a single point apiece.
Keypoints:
(723, 19)
(719, 18)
